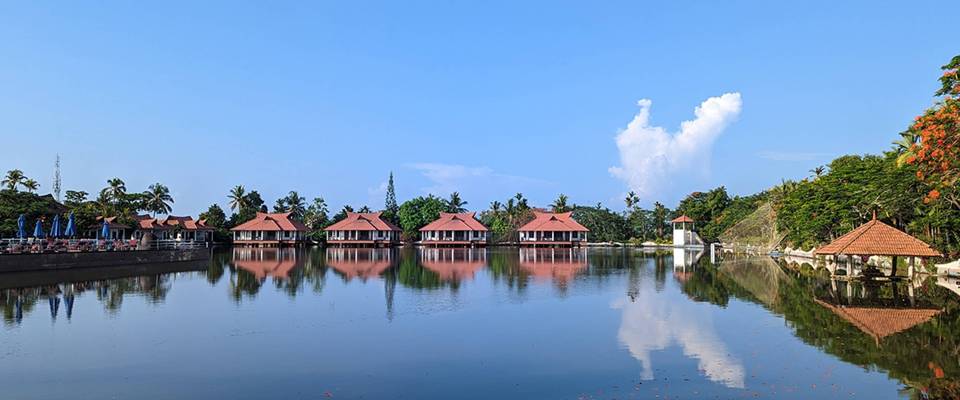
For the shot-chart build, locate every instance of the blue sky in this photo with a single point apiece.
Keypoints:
(487, 98)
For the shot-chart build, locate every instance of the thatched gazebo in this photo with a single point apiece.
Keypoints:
(876, 238)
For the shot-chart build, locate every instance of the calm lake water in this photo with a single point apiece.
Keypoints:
(474, 324)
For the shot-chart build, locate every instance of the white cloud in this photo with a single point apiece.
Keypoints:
(650, 156)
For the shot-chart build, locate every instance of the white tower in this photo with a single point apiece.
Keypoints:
(683, 234)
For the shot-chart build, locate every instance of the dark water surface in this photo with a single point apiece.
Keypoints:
(474, 324)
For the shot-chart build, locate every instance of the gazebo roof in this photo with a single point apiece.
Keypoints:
(682, 218)
(876, 238)
(881, 322)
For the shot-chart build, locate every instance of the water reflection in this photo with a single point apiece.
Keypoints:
(651, 322)
(657, 311)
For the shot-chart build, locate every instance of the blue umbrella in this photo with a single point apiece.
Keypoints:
(105, 232)
(71, 227)
(55, 227)
(38, 229)
(21, 230)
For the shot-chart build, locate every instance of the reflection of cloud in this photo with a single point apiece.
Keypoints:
(447, 178)
(653, 323)
(650, 156)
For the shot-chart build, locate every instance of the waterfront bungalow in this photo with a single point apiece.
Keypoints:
(553, 229)
(118, 231)
(363, 230)
(270, 230)
(173, 228)
(877, 239)
(454, 229)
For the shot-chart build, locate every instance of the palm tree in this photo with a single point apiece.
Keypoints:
(495, 206)
(296, 205)
(157, 199)
(31, 185)
(455, 204)
(116, 190)
(904, 147)
(521, 202)
(632, 199)
(13, 179)
(238, 198)
(818, 171)
(280, 206)
(364, 210)
(560, 204)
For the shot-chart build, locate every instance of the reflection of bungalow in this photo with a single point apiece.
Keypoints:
(560, 265)
(174, 228)
(269, 230)
(461, 229)
(553, 229)
(359, 263)
(275, 262)
(881, 322)
(453, 264)
(117, 230)
(363, 229)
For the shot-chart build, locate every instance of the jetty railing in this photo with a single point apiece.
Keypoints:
(49, 245)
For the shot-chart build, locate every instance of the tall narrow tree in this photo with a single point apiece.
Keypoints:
(238, 198)
(390, 207)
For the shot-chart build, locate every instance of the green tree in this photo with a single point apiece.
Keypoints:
(296, 205)
(418, 212)
(31, 185)
(157, 199)
(390, 207)
(455, 204)
(238, 198)
(560, 204)
(280, 206)
(74, 198)
(116, 191)
(13, 179)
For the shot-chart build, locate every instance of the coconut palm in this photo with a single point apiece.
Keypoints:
(495, 206)
(296, 205)
(632, 199)
(13, 179)
(116, 190)
(455, 203)
(560, 204)
(904, 147)
(31, 185)
(818, 171)
(157, 199)
(238, 198)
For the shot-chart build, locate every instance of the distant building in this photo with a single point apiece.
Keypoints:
(363, 230)
(173, 228)
(270, 230)
(683, 232)
(118, 231)
(456, 229)
(553, 229)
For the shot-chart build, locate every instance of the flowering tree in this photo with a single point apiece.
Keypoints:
(936, 153)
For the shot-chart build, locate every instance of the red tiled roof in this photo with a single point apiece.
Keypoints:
(147, 222)
(111, 223)
(682, 218)
(456, 222)
(271, 222)
(363, 222)
(881, 322)
(876, 238)
(558, 222)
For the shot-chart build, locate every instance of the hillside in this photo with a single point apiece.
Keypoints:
(757, 229)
